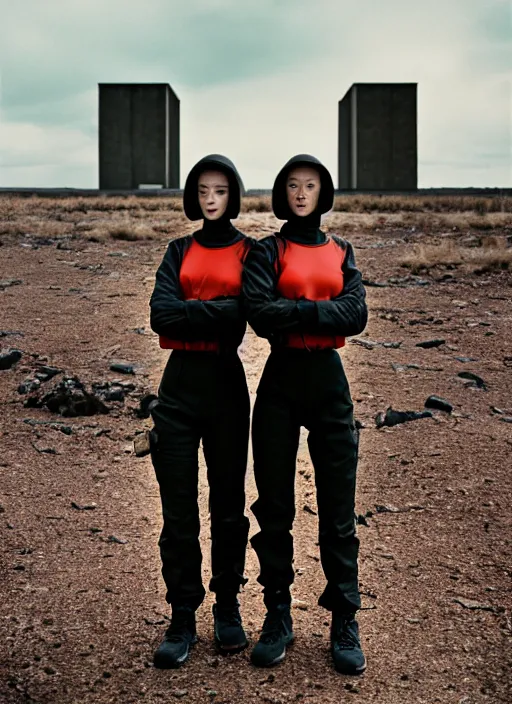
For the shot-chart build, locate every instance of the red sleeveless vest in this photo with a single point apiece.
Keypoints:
(312, 272)
(205, 273)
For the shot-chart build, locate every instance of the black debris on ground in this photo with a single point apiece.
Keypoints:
(439, 404)
(9, 358)
(390, 417)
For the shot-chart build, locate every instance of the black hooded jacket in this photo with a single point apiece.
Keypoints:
(216, 319)
(276, 317)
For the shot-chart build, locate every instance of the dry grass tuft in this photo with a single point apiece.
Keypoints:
(131, 232)
(256, 204)
(493, 254)
(422, 204)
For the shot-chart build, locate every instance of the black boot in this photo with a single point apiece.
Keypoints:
(229, 633)
(276, 634)
(346, 649)
(173, 651)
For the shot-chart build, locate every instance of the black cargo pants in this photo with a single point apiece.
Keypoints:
(299, 387)
(202, 395)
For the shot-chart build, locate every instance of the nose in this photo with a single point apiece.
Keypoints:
(209, 198)
(300, 194)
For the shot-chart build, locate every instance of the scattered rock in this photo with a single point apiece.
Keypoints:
(66, 429)
(115, 539)
(478, 382)
(506, 419)
(45, 373)
(404, 367)
(45, 450)
(392, 345)
(6, 283)
(298, 604)
(112, 390)
(466, 359)
(392, 417)
(438, 403)
(500, 411)
(428, 344)
(7, 333)
(9, 358)
(367, 344)
(381, 508)
(372, 344)
(361, 520)
(154, 621)
(473, 605)
(85, 507)
(308, 509)
(69, 398)
(375, 284)
(352, 688)
(409, 280)
(180, 693)
(122, 368)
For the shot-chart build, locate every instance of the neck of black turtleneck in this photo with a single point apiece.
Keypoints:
(216, 233)
(303, 230)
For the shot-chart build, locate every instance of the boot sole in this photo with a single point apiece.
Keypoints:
(230, 649)
(166, 664)
(280, 658)
(355, 672)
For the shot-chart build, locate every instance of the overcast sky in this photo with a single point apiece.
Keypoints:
(258, 81)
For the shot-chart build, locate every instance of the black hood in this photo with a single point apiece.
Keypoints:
(214, 162)
(280, 205)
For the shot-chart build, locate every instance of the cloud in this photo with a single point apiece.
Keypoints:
(258, 81)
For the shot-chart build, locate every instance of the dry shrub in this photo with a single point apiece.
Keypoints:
(130, 232)
(492, 254)
(256, 204)
(370, 203)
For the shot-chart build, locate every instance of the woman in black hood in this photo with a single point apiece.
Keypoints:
(303, 292)
(196, 311)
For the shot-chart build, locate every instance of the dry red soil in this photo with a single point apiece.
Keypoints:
(81, 614)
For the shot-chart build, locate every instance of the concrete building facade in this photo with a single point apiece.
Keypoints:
(139, 136)
(377, 137)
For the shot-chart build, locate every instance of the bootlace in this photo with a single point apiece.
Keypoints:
(178, 627)
(344, 637)
(272, 627)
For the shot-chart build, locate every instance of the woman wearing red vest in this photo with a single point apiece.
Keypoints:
(303, 292)
(196, 311)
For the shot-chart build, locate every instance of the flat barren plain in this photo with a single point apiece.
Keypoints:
(82, 600)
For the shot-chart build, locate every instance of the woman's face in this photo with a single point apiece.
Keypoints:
(213, 192)
(303, 190)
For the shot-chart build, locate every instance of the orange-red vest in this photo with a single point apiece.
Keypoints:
(205, 273)
(312, 272)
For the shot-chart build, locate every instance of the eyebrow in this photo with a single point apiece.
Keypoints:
(308, 180)
(215, 185)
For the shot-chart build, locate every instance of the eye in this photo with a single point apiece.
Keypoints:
(292, 185)
(311, 186)
(221, 191)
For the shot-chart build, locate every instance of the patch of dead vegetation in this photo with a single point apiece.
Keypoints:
(422, 204)
(493, 254)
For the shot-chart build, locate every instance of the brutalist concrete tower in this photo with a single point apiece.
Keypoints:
(378, 145)
(139, 135)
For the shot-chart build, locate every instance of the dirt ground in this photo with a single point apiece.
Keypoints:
(82, 599)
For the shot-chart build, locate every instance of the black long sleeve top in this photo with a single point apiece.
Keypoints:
(302, 309)
(195, 303)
